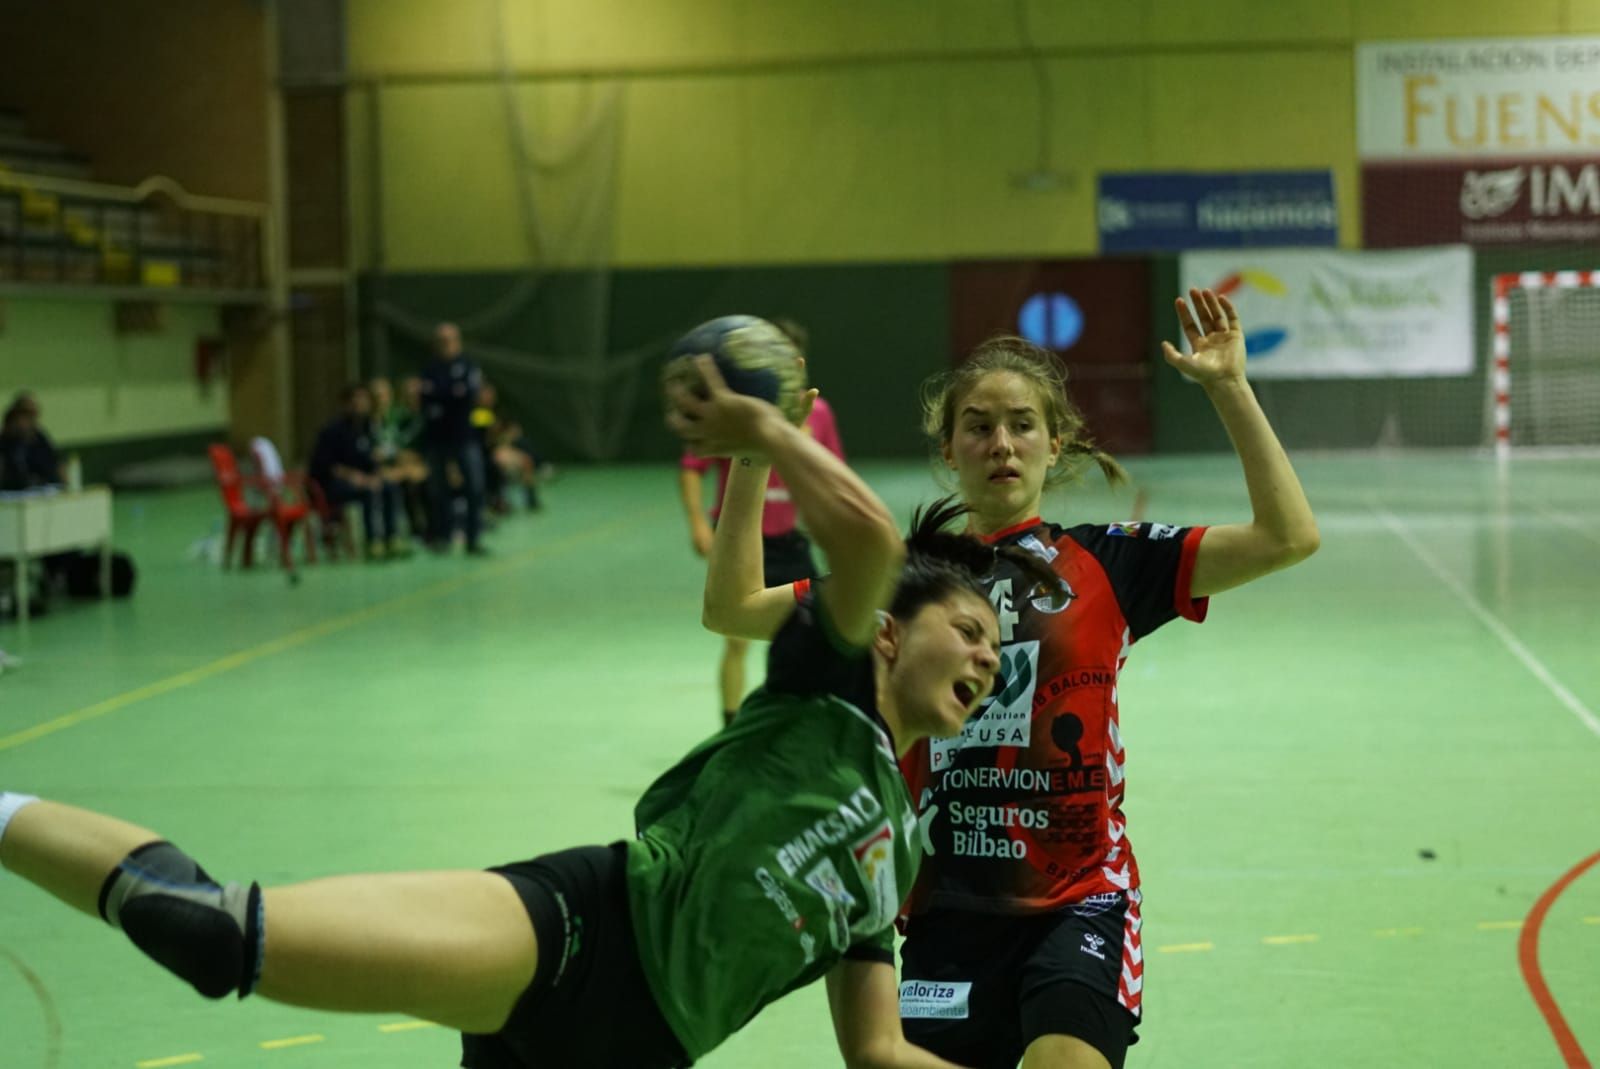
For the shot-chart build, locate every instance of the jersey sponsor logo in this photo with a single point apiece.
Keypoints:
(1000, 594)
(846, 820)
(924, 998)
(1051, 601)
(1032, 544)
(1161, 531)
(826, 881)
(982, 844)
(983, 817)
(1006, 783)
(874, 858)
(1043, 599)
(971, 826)
(1094, 905)
(1077, 677)
(1092, 944)
(925, 820)
(1004, 719)
(774, 893)
(571, 934)
(1126, 529)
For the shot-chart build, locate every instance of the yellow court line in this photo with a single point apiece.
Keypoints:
(1185, 948)
(293, 639)
(163, 1063)
(1498, 926)
(1384, 933)
(405, 1026)
(1591, 920)
(292, 1041)
(1284, 940)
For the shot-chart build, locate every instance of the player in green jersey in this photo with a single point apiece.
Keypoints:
(773, 854)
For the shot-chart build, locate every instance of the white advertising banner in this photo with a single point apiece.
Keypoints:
(1500, 98)
(1324, 313)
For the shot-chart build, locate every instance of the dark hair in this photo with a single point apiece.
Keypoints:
(1043, 371)
(794, 332)
(941, 562)
(350, 391)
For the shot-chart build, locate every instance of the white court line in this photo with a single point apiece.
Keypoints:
(1570, 522)
(1492, 622)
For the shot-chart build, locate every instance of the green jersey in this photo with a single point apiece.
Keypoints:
(395, 430)
(778, 846)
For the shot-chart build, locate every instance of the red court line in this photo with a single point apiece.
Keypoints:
(1528, 958)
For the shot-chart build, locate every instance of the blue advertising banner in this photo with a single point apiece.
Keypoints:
(1174, 212)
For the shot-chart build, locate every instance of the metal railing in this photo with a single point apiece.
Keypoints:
(155, 236)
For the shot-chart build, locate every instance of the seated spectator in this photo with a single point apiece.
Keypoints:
(397, 430)
(28, 458)
(344, 463)
(42, 456)
(510, 455)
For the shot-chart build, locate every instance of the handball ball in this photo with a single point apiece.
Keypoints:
(755, 358)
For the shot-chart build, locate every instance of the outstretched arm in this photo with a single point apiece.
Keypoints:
(737, 599)
(690, 489)
(1282, 531)
(865, 1001)
(855, 531)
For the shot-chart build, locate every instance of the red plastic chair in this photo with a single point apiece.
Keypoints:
(288, 500)
(243, 517)
(337, 537)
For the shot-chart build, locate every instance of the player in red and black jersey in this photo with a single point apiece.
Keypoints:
(1022, 935)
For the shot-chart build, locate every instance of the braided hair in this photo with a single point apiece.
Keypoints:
(941, 562)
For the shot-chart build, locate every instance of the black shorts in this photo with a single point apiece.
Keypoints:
(786, 558)
(589, 1005)
(977, 989)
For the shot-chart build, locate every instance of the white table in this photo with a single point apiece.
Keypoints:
(34, 525)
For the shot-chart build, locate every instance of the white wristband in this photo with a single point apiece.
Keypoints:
(10, 805)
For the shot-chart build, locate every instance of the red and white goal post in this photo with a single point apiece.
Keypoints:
(1553, 334)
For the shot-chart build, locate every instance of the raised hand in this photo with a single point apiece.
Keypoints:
(714, 421)
(1216, 341)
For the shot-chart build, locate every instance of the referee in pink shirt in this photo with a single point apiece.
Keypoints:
(786, 550)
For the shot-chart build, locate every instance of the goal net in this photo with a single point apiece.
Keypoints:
(1544, 383)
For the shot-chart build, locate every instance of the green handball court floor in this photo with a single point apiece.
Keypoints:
(1348, 789)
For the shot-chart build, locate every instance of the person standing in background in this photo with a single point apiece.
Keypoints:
(449, 386)
(786, 552)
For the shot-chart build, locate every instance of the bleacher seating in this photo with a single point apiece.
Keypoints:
(68, 232)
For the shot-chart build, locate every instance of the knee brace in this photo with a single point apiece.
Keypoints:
(208, 934)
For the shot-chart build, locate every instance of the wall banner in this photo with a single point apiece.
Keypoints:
(1173, 212)
(1319, 313)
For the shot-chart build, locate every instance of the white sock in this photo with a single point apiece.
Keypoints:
(10, 804)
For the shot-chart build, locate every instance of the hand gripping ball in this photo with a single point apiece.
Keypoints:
(755, 358)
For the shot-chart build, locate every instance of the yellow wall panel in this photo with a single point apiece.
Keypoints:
(680, 195)
(1411, 19)
(449, 198)
(1582, 16)
(839, 165)
(613, 33)
(1236, 22)
(837, 130)
(419, 35)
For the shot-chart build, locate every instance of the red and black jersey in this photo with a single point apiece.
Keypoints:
(1022, 812)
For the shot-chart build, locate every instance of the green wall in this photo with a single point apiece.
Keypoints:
(97, 385)
(876, 331)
